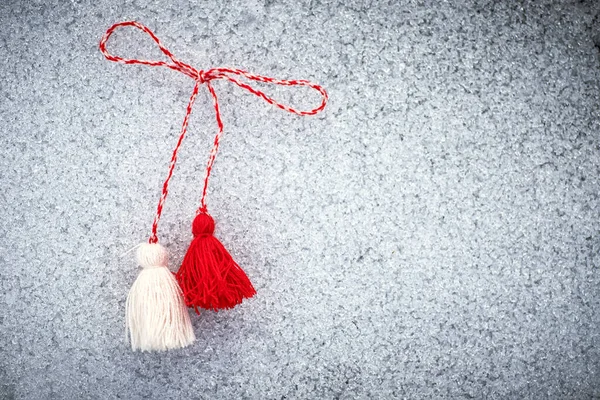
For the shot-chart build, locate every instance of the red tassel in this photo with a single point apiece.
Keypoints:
(208, 276)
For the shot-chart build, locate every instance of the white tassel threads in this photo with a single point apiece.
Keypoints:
(156, 315)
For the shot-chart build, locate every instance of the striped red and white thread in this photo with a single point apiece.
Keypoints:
(204, 77)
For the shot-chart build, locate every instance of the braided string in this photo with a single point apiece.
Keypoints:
(204, 77)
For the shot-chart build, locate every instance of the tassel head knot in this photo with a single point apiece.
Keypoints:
(203, 225)
(152, 255)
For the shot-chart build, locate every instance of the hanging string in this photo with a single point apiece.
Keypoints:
(202, 77)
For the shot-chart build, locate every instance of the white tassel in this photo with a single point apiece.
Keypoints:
(156, 315)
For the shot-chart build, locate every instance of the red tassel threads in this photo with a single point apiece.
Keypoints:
(208, 276)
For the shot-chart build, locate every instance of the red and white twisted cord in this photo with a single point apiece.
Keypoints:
(204, 77)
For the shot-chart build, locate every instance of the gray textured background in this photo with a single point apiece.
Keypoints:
(433, 234)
